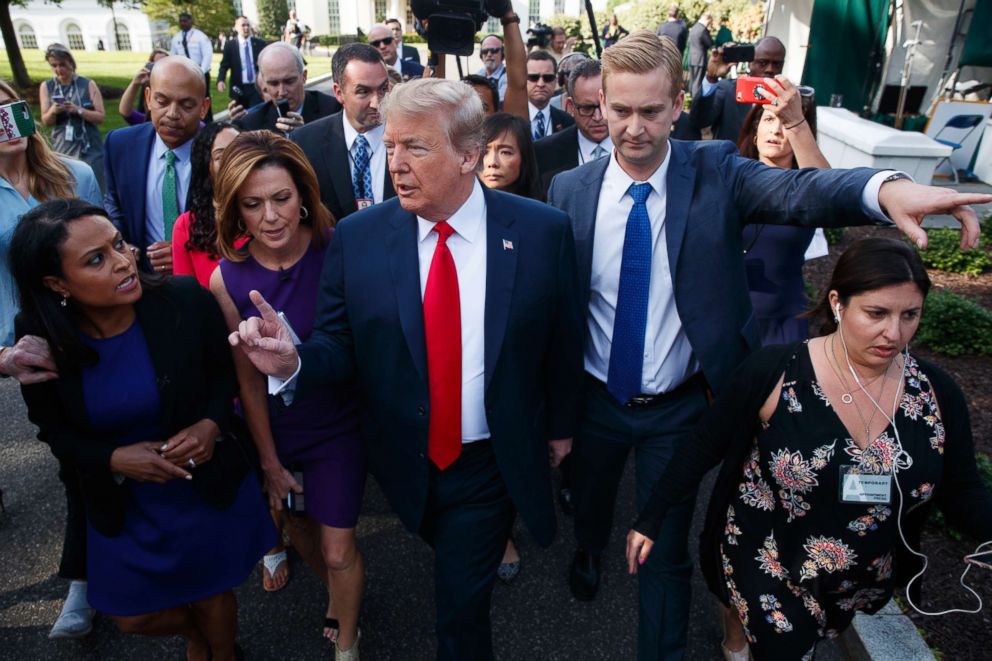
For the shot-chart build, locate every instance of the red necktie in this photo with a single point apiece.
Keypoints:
(443, 331)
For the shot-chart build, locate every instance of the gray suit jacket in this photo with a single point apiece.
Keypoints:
(700, 41)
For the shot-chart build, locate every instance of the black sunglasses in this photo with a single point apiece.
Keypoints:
(486, 51)
(546, 77)
(378, 42)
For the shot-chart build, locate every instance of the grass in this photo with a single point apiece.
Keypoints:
(115, 70)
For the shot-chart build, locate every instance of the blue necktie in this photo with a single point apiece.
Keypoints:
(630, 321)
(539, 126)
(249, 69)
(363, 173)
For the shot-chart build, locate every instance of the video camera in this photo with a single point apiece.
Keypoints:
(450, 25)
(540, 36)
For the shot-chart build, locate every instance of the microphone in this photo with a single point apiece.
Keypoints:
(283, 274)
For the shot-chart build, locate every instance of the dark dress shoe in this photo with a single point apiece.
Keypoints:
(583, 578)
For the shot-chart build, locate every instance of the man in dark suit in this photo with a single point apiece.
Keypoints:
(455, 306)
(658, 242)
(241, 59)
(381, 38)
(674, 28)
(716, 106)
(345, 149)
(542, 74)
(588, 139)
(283, 75)
(700, 42)
(405, 52)
(148, 166)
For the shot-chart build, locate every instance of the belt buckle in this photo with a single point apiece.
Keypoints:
(640, 400)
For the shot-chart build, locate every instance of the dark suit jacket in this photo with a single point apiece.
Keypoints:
(325, 148)
(411, 69)
(369, 323)
(315, 105)
(186, 337)
(232, 61)
(560, 120)
(712, 192)
(126, 153)
(720, 111)
(410, 53)
(676, 31)
(700, 41)
(556, 153)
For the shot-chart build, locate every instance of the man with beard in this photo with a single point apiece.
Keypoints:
(491, 52)
(345, 149)
(148, 165)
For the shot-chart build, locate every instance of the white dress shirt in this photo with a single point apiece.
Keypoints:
(587, 147)
(377, 160)
(534, 112)
(244, 65)
(468, 249)
(154, 221)
(668, 358)
(201, 50)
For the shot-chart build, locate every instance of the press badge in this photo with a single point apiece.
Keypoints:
(70, 132)
(363, 203)
(864, 488)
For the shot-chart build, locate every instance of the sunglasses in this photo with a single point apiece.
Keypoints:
(385, 41)
(546, 77)
(490, 51)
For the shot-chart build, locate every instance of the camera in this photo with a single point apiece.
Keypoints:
(451, 24)
(540, 36)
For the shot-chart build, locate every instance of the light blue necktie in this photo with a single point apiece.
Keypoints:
(249, 69)
(363, 173)
(598, 153)
(630, 321)
(539, 126)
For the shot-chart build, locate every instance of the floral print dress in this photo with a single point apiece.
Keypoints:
(798, 562)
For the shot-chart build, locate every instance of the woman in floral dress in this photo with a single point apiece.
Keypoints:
(825, 441)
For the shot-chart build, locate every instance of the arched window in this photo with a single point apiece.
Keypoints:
(26, 36)
(74, 37)
(123, 37)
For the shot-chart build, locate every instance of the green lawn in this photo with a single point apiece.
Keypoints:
(115, 69)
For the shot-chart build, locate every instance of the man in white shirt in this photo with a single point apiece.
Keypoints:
(456, 309)
(542, 77)
(658, 236)
(194, 44)
(241, 59)
(405, 52)
(491, 52)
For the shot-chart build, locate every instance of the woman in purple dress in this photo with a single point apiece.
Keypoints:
(309, 445)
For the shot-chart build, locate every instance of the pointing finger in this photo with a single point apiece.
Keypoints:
(263, 306)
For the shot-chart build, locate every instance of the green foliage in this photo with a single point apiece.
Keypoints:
(987, 230)
(944, 253)
(745, 17)
(984, 464)
(272, 17)
(954, 325)
(209, 16)
(834, 234)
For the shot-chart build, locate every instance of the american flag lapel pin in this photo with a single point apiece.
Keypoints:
(507, 244)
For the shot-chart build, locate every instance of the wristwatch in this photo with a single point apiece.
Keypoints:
(896, 176)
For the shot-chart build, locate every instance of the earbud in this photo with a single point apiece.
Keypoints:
(837, 313)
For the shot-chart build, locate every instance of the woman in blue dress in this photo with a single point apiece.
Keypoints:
(142, 412)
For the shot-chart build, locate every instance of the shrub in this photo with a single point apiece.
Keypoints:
(834, 234)
(944, 253)
(954, 325)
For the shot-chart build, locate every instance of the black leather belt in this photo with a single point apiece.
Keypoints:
(644, 401)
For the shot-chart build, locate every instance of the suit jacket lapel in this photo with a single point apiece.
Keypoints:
(404, 267)
(158, 324)
(501, 269)
(137, 174)
(584, 219)
(336, 162)
(679, 185)
(387, 189)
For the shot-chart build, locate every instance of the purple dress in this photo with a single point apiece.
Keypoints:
(319, 433)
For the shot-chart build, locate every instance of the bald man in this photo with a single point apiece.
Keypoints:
(148, 166)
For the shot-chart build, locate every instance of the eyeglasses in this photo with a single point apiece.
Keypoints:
(490, 51)
(385, 41)
(546, 77)
(587, 109)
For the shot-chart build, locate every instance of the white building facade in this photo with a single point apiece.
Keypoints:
(83, 25)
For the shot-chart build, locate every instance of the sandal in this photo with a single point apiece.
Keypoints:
(270, 565)
(331, 627)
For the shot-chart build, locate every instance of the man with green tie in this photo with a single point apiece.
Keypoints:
(148, 166)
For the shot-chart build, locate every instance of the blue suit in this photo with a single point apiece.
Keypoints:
(369, 324)
(712, 192)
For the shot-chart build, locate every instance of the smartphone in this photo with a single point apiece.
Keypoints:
(15, 121)
(237, 94)
(58, 98)
(282, 107)
(148, 66)
(295, 502)
(983, 560)
(751, 89)
(740, 53)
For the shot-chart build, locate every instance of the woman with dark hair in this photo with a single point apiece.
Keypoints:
(31, 173)
(832, 450)
(508, 163)
(265, 189)
(73, 106)
(780, 136)
(194, 236)
(143, 413)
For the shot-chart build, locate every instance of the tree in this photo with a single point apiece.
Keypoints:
(272, 17)
(210, 16)
(20, 72)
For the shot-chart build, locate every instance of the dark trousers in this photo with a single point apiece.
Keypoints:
(468, 520)
(607, 433)
(73, 563)
(210, 110)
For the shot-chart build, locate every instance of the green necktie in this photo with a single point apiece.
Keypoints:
(170, 197)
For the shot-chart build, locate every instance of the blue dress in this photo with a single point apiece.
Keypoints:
(174, 549)
(773, 261)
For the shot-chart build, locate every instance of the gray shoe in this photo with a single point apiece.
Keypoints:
(350, 654)
(73, 624)
(508, 571)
